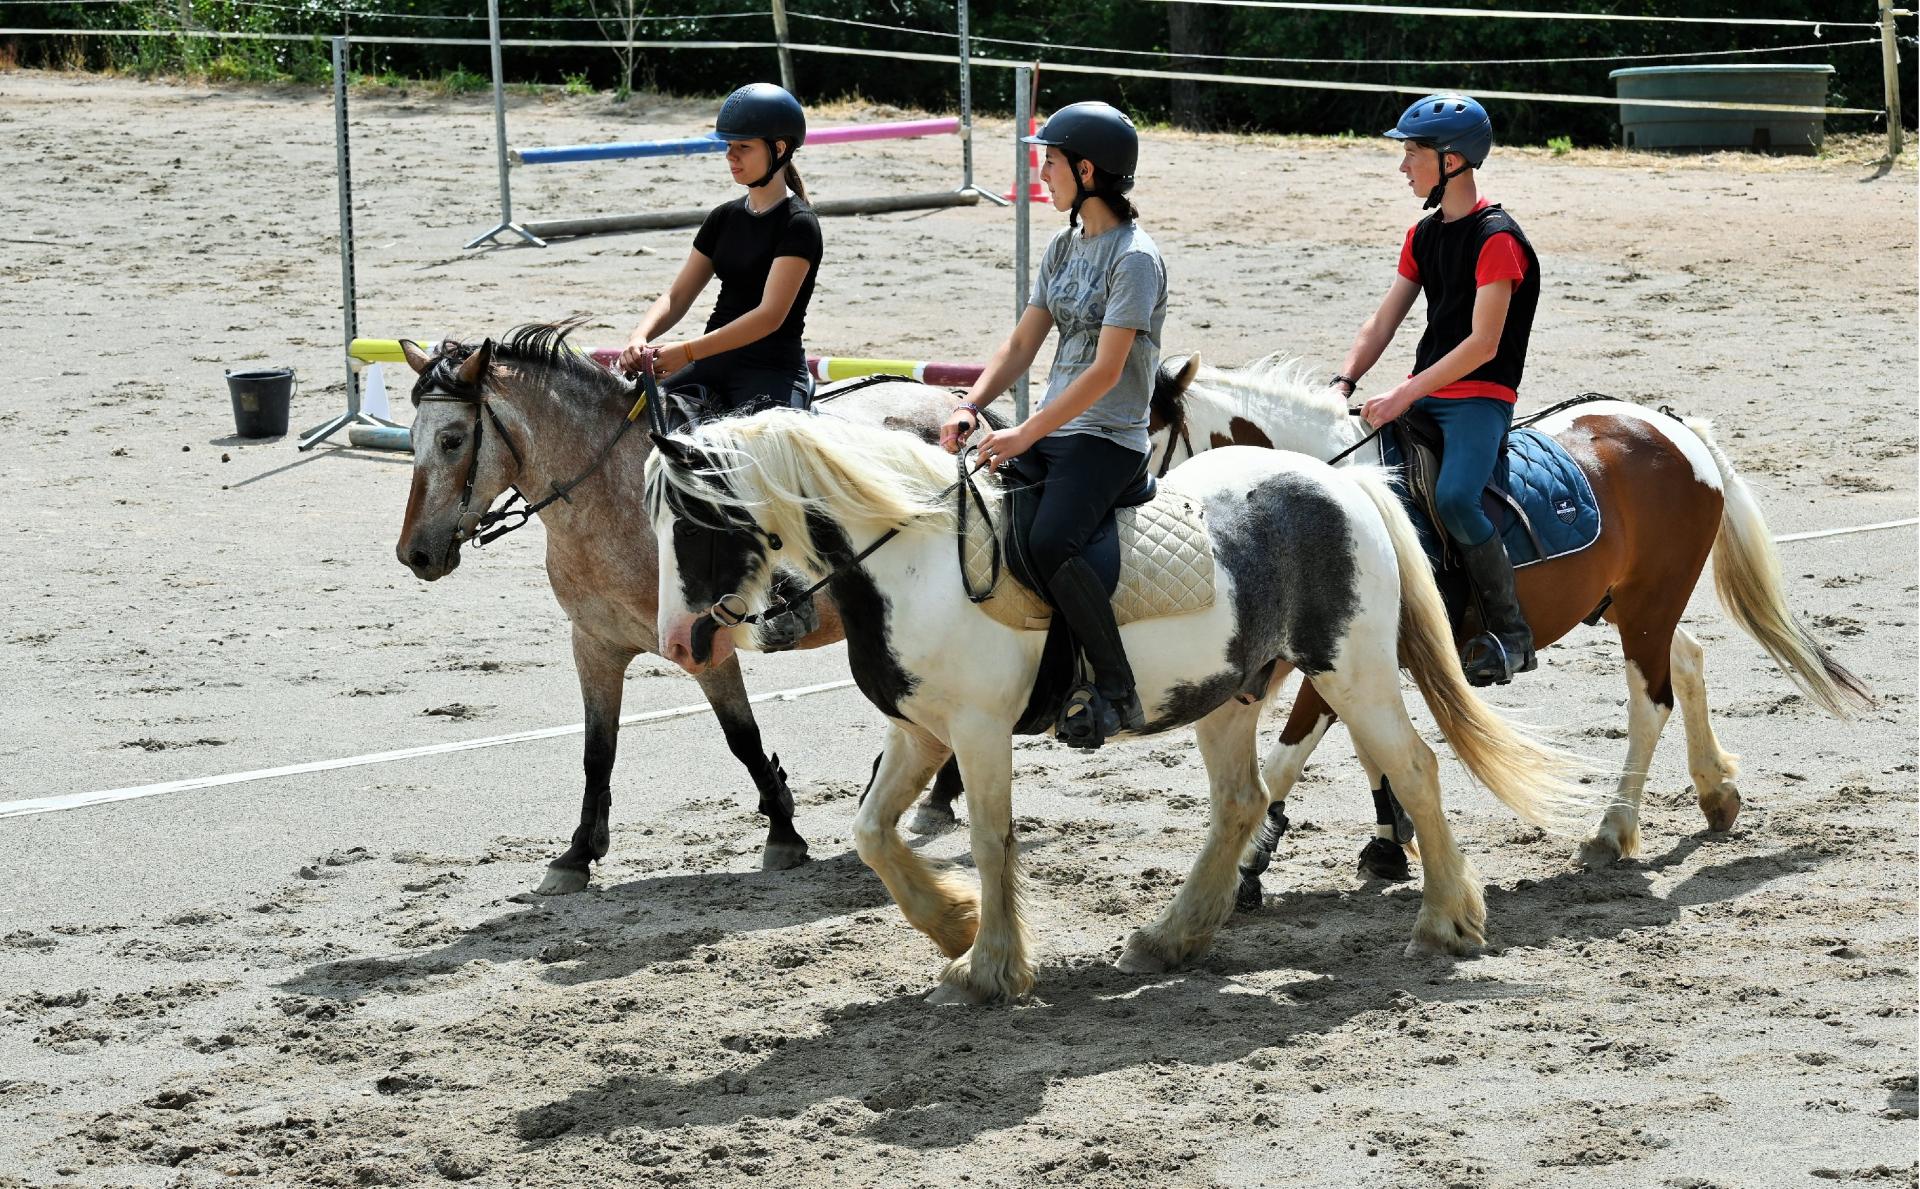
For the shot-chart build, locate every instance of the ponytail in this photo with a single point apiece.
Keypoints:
(794, 184)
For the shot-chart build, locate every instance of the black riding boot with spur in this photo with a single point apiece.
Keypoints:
(1091, 715)
(1506, 646)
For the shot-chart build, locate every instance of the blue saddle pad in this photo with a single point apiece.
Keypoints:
(1534, 472)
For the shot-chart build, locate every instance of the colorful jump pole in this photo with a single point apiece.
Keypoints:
(683, 146)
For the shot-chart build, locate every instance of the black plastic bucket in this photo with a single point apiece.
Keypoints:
(261, 401)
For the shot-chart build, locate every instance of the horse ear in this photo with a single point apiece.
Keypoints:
(1189, 370)
(474, 370)
(417, 359)
(677, 452)
(1171, 380)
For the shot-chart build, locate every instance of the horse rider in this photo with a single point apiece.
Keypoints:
(1084, 450)
(765, 248)
(1482, 281)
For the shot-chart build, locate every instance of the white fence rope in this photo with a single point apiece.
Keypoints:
(1419, 10)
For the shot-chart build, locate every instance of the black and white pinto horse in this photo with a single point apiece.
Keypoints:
(1316, 570)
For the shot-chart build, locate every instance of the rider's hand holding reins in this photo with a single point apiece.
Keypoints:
(635, 357)
(1387, 406)
(671, 358)
(959, 426)
(1002, 446)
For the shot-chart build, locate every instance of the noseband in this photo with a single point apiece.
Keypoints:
(495, 523)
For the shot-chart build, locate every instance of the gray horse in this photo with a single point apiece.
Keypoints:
(530, 414)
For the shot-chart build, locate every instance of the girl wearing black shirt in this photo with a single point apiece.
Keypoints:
(765, 248)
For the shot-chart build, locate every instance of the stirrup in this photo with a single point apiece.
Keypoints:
(1487, 660)
(1086, 719)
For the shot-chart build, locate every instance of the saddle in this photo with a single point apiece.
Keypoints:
(1539, 500)
(1155, 557)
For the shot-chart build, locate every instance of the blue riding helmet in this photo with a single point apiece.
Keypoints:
(1451, 123)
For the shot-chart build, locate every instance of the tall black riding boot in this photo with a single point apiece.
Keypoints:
(1112, 706)
(1506, 646)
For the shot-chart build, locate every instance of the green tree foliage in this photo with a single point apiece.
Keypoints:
(1424, 52)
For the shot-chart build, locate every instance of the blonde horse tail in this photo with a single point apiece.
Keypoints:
(1746, 576)
(1536, 781)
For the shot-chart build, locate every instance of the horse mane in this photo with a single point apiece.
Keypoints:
(782, 466)
(539, 344)
(1253, 391)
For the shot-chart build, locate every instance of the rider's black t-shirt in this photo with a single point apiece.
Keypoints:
(743, 246)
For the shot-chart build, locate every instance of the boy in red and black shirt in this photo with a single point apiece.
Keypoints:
(1482, 282)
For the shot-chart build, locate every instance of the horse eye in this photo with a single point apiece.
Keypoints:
(451, 442)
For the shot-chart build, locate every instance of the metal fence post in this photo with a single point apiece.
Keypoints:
(506, 222)
(1022, 113)
(962, 23)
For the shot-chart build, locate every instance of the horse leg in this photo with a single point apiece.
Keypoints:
(726, 692)
(1713, 769)
(1385, 854)
(996, 967)
(935, 814)
(935, 902)
(1649, 702)
(1307, 724)
(602, 671)
(1229, 745)
(1453, 913)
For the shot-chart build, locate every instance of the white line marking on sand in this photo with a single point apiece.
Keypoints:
(106, 796)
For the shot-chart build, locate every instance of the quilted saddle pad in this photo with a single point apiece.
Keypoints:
(1539, 499)
(1166, 565)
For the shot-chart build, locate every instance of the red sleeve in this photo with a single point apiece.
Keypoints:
(1408, 268)
(1500, 260)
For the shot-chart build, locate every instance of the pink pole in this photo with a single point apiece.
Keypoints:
(898, 130)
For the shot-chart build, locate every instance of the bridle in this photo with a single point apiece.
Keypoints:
(494, 523)
(1177, 431)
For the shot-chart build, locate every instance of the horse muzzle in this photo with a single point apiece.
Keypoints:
(697, 643)
(430, 556)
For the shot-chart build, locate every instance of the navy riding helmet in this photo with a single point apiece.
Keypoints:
(1448, 123)
(763, 111)
(1097, 131)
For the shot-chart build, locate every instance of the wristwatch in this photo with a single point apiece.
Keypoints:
(1352, 384)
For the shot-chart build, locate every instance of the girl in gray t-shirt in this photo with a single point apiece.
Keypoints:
(1084, 450)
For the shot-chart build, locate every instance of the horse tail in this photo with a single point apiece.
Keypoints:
(1534, 780)
(1746, 575)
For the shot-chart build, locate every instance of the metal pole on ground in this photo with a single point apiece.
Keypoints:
(343, 164)
(1890, 67)
(506, 222)
(780, 41)
(963, 26)
(1022, 112)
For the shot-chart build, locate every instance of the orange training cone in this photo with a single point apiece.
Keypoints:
(1036, 191)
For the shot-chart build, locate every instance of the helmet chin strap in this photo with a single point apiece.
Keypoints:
(1080, 191)
(1440, 191)
(780, 160)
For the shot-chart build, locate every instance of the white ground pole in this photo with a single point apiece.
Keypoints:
(37, 805)
(1022, 114)
(343, 164)
(506, 222)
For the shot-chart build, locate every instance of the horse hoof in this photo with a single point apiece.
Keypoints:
(929, 819)
(1248, 898)
(563, 881)
(782, 856)
(1721, 807)
(1383, 859)
(1600, 852)
(1438, 937)
(1142, 957)
(955, 995)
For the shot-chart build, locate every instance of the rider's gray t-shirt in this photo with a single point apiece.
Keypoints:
(1114, 279)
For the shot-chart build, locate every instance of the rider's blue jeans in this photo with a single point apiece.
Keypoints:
(1473, 428)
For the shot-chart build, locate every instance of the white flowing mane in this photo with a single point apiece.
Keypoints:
(1285, 396)
(780, 465)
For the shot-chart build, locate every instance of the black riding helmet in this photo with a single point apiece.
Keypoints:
(1100, 133)
(763, 111)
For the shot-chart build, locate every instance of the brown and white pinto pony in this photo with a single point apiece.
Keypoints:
(1669, 499)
